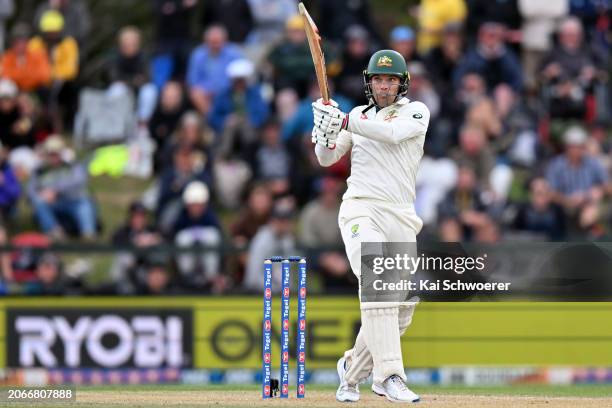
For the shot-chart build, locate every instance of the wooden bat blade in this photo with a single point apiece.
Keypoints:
(314, 43)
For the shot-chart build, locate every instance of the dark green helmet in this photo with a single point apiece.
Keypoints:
(389, 62)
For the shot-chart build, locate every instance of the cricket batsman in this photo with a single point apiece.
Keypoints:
(385, 139)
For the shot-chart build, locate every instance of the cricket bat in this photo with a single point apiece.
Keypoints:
(314, 42)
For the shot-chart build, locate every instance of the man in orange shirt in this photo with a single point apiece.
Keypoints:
(28, 68)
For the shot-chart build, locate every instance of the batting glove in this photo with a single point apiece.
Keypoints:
(328, 118)
(321, 138)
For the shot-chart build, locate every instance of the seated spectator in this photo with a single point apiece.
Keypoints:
(491, 59)
(9, 185)
(156, 277)
(272, 161)
(171, 108)
(475, 150)
(276, 238)
(252, 216)
(138, 233)
(129, 71)
(191, 133)
(463, 210)
(51, 280)
(434, 17)
(355, 56)
(207, 69)
(269, 26)
(16, 128)
(318, 228)
(540, 215)
(5, 257)
(59, 193)
(403, 40)
(442, 60)
(291, 61)
(239, 110)
(187, 167)
(63, 52)
(578, 182)
(570, 70)
(29, 69)
(197, 224)
(421, 89)
(75, 13)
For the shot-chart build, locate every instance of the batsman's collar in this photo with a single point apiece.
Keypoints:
(402, 101)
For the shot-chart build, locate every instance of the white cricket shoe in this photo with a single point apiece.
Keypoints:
(395, 390)
(346, 392)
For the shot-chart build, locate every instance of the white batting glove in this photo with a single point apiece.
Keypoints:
(328, 118)
(318, 137)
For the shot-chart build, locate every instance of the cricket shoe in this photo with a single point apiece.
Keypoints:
(395, 390)
(346, 392)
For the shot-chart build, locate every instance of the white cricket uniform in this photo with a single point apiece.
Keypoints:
(378, 206)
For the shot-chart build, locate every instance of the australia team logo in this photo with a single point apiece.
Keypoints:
(384, 61)
(355, 231)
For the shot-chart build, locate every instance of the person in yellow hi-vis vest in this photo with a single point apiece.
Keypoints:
(63, 54)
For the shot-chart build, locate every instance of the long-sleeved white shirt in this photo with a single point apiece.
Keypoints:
(386, 148)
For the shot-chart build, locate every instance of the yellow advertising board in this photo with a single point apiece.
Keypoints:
(226, 331)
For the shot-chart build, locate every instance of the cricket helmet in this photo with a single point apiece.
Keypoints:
(386, 62)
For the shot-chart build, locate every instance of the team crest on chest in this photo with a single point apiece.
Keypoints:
(392, 114)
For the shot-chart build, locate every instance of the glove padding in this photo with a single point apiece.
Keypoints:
(321, 138)
(328, 118)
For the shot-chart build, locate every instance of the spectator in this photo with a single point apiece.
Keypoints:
(28, 68)
(187, 166)
(539, 20)
(252, 216)
(173, 40)
(442, 60)
(402, 40)
(434, 17)
(578, 182)
(463, 210)
(129, 69)
(269, 20)
(137, 233)
(5, 258)
(239, 110)
(15, 126)
(570, 71)
(491, 59)
(272, 161)
(335, 17)
(7, 8)
(51, 280)
(157, 277)
(421, 88)
(355, 56)
(9, 186)
(171, 108)
(474, 150)
(207, 70)
(291, 60)
(504, 12)
(59, 193)
(191, 134)
(276, 238)
(318, 229)
(197, 224)
(540, 215)
(63, 52)
(234, 15)
(74, 12)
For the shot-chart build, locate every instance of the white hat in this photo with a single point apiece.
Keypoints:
(8, 89)
(575, 136)
(240, 68)
(196, 192)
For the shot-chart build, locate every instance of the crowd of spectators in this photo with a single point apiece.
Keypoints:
(518, 145)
